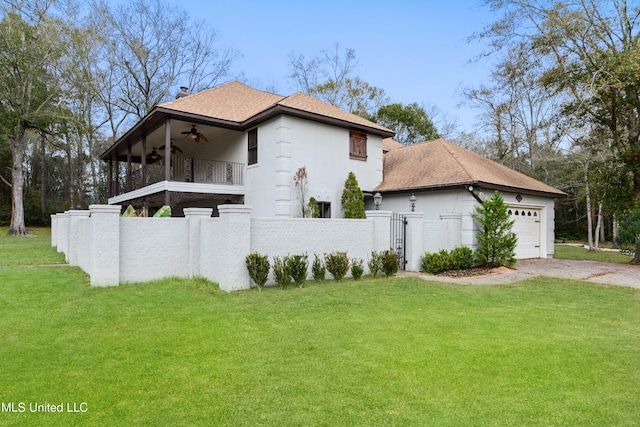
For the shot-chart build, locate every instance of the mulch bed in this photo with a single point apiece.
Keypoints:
(469, 272)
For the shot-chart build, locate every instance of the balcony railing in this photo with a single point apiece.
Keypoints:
(186, 170)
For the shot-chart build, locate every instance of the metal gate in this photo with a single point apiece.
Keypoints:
(399, 238)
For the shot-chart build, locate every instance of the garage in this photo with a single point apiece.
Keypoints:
(527, 228)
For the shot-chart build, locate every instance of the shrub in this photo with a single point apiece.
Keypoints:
(163, 212)
(436, 262)
(357, 268)
(462, 258)
(630, 233)
(337, 263)
(281, 272)
(318, 269)
(496, 241)
(258, 266)
(352, 198)
(390, 263)
(313, 207)
(297, 265)
(375, 264)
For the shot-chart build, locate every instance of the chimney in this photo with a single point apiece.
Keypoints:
(184, 91)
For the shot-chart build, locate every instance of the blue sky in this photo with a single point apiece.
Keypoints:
(417, 51)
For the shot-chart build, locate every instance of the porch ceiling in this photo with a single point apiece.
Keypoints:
(153, 127)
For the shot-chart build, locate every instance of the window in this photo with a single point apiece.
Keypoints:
(357, 146)
(252, 157)
(325, 209)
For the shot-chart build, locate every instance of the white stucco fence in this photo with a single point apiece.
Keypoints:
(114, 249)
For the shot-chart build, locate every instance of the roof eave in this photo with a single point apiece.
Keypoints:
(479, 184)
(157, 116)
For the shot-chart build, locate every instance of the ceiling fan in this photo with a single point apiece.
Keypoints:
(154, 155)
(174, 148)
(194, 134)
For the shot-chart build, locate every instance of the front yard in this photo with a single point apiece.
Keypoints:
(374, 352)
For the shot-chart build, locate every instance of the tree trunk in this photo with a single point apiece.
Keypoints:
(636, 258)
(17, 226)
(598, 227)
(43, 175)
(614, 231)
(589, 214)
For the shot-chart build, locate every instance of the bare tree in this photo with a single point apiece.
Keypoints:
(329, 77)
(151, 48)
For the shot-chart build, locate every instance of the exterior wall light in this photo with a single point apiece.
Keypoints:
(377, 200)
(413, 199)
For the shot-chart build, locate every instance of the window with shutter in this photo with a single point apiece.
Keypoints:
(252, 155)
(357, 146)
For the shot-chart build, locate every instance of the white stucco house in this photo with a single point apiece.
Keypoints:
(448, 183)
(237, 145)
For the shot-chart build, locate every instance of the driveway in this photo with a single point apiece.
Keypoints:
(590, 271)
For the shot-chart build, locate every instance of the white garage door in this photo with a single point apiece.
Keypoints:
(527, 228)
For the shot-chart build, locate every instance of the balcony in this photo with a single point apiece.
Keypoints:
(183, 169)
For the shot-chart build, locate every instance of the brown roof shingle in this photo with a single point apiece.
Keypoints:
(440, 163)
(233, 101)
(238, 102)
(389, 144)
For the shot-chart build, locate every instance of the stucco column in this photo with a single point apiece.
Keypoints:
(54, 230)
(235, 246)
(73, 235)
(63, 222)
(194, 217)
(381, 229)
(414, 244)
(105, 245)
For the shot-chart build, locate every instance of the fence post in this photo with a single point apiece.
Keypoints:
(73, 235)
(414, 240)
(54, 230)
(194, 217)
(105, 245)
(63, 223)
(381, 229)
(235, 246)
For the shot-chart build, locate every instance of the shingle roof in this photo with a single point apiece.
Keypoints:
(307, 103)
(233, 101)
(389, 144)
(238, 102)
(440, 163)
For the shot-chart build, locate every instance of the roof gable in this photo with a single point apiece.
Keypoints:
(237, 102)
(440, 163)
(233, 101)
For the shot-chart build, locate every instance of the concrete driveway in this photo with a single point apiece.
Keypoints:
(590, 271)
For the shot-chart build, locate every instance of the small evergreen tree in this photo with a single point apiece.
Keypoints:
(258, 266)
(496, 241)
(313, 208)
(352, 198)
(318, 269)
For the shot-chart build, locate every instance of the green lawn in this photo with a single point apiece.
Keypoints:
(35, 249)
(580, 253)
(374, 352)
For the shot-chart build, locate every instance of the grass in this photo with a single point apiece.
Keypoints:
(32, 250)
(580, 253)
(373, 352)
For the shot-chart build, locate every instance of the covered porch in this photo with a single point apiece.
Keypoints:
(172, 158)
